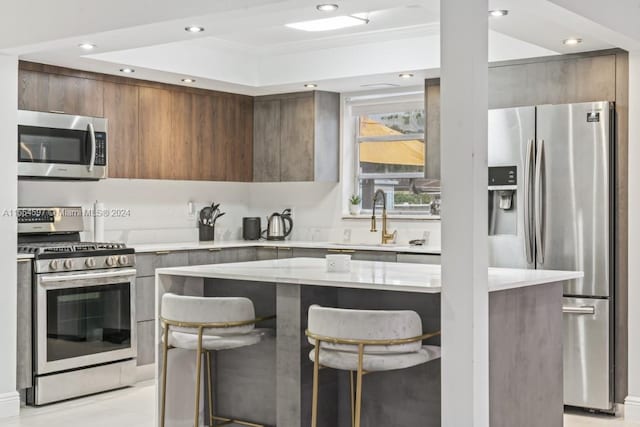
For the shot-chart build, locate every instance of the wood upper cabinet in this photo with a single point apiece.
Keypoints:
(297, 127)
(40, 91)
(266, 141)
(121, 109)
(154, 154)
(296, 137)
(156, 131)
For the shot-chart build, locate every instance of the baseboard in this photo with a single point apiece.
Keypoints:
(632, 408)
(146, 372)
(9, 404)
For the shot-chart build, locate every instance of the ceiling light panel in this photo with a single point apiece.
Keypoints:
(497, 13)
(329, 24)
(327, 7)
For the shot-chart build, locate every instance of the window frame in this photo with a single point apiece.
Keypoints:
(358, 106)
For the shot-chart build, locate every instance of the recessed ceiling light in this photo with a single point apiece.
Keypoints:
(572, 41)
(327, 7)
(127, 70)
(311, 85)
(187, 80)
(194, 29)
(329, 24)
(87, 46)
(405, 75)
(496, 13)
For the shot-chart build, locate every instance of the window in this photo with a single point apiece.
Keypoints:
(390, 155)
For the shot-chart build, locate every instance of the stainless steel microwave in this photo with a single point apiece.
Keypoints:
(61, 146)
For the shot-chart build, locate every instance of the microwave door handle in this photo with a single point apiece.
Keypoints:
(92, 136)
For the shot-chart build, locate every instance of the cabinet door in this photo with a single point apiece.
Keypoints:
(178, 162)
(155, 153)
(146, 342)
(309, 253)
(285, 253)
(419, 258)
(121, 109)
(237, 255)
(207, 158)
(24, 369)
(266, 141)
(268, 252)
(62, 94)
(146, 264)
(374, 256)
(297, 138)
(145, 298)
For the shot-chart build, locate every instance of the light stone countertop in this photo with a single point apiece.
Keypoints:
(422, 278)
(190, 246)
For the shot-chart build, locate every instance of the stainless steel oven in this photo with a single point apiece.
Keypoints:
(83, 299)
(61, 146)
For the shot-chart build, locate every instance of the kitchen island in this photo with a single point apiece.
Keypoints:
(271, 382)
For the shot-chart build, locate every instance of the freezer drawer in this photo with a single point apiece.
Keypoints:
(587, 353)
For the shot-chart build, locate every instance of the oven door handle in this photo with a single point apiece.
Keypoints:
(87, 276)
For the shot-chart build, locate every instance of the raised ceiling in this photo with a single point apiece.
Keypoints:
(246, 47)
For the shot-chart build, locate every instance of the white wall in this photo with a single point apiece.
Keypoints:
(9, 399)
(632, 403)
(159, 209)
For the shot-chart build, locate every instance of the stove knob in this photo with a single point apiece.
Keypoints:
(68, 264)
(54, 264)
(123, 260)
(90, 262)
(111, 261)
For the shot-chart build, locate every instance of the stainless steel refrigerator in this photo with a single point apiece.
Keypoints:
(550, 207)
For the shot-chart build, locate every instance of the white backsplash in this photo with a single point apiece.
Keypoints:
(158, 210)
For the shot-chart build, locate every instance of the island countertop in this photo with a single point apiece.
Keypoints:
(421, 278)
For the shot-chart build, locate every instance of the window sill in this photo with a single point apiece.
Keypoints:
(407, 217)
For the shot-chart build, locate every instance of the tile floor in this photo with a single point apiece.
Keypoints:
(134, 407)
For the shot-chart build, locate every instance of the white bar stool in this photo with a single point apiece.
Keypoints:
(364, 341)
(206, 324)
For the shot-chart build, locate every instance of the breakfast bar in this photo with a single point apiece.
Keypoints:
(271, 382)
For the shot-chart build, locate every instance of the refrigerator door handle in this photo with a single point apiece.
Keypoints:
(585, 309)
(528, 241)
(539, 203)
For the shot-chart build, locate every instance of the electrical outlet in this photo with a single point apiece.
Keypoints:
(346, 235)
(426, 236)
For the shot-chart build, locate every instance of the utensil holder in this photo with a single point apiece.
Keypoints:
(206, 233)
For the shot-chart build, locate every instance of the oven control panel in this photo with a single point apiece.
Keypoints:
(100, 262)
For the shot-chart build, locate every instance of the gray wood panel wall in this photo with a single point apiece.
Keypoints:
(584, 77)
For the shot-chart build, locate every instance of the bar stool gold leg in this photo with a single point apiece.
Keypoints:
(165, 362)
(352, 397)
(359, 385)
(198, 375)
(212, 421)
(314, 403)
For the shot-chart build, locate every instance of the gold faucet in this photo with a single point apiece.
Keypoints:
(386, 237)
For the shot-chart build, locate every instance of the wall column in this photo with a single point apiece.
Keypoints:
(464, 88)
(632, 402)
(9, 399)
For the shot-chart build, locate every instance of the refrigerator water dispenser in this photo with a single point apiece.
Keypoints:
(503, 209)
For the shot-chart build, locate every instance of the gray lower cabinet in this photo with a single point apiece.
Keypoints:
(24, 354)
(146, 282)
(146, 264)
(419, 258)
(309, 253)
(146, 342)
(358, 255)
